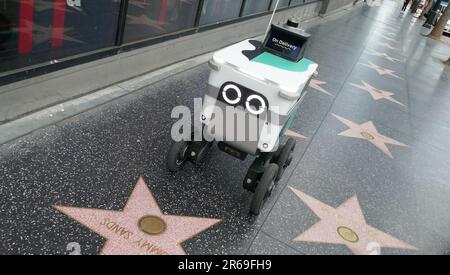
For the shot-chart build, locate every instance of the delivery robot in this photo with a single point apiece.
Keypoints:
(262, 84)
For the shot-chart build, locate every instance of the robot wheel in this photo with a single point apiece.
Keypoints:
(177, 156)
(284, 158)
(182, 151)
(264, 188)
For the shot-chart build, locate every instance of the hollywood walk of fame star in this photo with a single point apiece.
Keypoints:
(383, 55)
(345, 225)
(144, 20)
(377, 94)
(388, 38)
(316, 85)
(368, 131)
(389, 46)
(141, 228)
(290, 133)
(390, 34)
(381, 71)
(389, 28)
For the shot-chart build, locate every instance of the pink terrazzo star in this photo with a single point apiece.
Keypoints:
(391, 34)
(381, 71)
(369, 132)
(388, 38)
(345, 225)
(123, 232)
(390, 28)
(384, 55)
(377, 94)
(316, 84)
(293, 134)
(389, 46)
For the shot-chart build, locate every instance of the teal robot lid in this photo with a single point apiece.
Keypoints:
(247, 58)
(283, 64)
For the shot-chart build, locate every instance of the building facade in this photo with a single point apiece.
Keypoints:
(84, 45)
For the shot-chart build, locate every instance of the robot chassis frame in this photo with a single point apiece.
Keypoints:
(262, 177)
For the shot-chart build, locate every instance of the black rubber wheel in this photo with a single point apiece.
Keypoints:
(264, 188)
(177, 156)
(285, 158)
(277, 154)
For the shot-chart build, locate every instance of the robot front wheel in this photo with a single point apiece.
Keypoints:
(182, 151)
(177, 156)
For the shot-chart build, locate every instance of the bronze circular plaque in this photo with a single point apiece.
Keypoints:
(367, 135)
(348, 234)
(152, 225)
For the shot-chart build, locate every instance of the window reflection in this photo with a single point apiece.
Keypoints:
(256, 6)
(215, 11)
(282, 4)
(35, 31)
(150, 18)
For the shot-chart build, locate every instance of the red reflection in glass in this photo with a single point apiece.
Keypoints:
(59, 14)
(26, 26)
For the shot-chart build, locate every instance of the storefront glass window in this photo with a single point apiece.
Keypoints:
(150, 18)
(297, 2)
(36, 31)
(282, 4)
(214, 11)
(256, 6)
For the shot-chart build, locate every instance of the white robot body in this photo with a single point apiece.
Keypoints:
(280, 83)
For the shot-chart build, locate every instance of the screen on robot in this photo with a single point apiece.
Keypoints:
(286, 44)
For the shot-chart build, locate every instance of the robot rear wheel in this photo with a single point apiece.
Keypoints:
(284, 158)
(264, 188)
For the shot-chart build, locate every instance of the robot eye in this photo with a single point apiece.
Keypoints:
(232, 94)
(255, 104)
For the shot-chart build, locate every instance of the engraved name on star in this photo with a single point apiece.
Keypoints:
(317, 85)
(345, 225)
(141, 228)
(367, 131)
(377, 94)
(381, 71)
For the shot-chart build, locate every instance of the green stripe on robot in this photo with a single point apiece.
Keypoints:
(275, 61)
